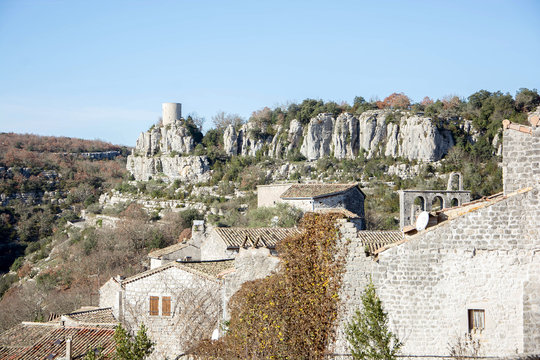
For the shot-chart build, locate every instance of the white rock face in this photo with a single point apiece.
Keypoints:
(161, 152)
(294, 135)
(183, 168)
(230, 141)
(375, 132)
(165, 139)
(420, 139)
(318, 137)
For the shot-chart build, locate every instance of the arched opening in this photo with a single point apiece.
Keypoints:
(454, 202)
(454, 182)
(437, 203)
(419, 205)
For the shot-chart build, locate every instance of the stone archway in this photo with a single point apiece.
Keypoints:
(451, 178)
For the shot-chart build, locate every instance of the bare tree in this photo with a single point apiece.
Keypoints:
(222, 119)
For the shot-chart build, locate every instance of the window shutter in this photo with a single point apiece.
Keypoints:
(154, 305)
(166, 306)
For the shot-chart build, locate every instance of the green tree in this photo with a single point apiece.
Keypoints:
(132, 348)
(368, 333)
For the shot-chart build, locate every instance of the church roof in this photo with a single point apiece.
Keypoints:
(312, 191)
(257, 237)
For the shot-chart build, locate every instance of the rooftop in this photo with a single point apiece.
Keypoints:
(375, 240)
(256, 237)
(47, 341)
(93, 316)
(212, 268)
(166, 250)
(311, 191)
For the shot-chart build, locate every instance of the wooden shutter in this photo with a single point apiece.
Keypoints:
(154, 305)
(166, 306)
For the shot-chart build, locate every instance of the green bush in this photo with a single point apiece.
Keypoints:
(367, 332)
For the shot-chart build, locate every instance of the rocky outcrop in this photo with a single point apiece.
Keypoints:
(165, 139)
(318, 137)
(165, 152)
(374, 133)
(183, 168)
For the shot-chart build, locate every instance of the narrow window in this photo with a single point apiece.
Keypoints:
(166, 306)
(154, 305)
(476, 320)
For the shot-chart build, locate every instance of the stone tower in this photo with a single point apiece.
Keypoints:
(171, 112)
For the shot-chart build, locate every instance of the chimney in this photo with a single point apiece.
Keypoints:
(68, 348)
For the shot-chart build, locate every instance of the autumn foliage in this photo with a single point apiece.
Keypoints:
(395, 101)
(291, 314)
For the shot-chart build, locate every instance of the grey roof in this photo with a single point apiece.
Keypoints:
(312, 191)
(375, 240)
(256, 237)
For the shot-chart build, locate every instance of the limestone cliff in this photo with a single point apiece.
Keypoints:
(165, 151)
(375, 133)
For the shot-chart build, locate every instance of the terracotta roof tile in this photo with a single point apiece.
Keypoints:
(256, 237)
(521, 128)
(375, 240)
(47, 341)
(310, 191)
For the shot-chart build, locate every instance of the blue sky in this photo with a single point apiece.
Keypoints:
(101, 69)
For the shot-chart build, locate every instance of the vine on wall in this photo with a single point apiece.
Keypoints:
(291, 314)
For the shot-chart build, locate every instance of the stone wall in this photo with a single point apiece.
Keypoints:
(195, 309)
(269, 195)
(250, 264)
(214, 248)
(521, 159)
(486, 259)
(110, 296)
(352, 200)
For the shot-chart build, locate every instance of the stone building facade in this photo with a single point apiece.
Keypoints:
(477, 272)
(314, 197)
(179, 303)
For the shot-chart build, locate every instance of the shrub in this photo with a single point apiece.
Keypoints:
(368, 333)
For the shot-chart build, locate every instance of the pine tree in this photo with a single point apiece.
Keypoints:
(367, 332)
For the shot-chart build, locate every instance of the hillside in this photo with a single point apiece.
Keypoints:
(59, 254)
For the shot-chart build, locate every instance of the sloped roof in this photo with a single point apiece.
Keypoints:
(166, 250)
(212, 268)
(256, 237)
(342, 211)
(93, 316)
(312, 191)
(181, 266)
(47, 341)
(375, 240)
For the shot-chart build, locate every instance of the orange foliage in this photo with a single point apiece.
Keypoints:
(395, 101)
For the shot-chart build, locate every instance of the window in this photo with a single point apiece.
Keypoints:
(166, 306)
(477, 319)
(154, 305)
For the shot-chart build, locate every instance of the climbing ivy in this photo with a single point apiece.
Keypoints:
(291, 314)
